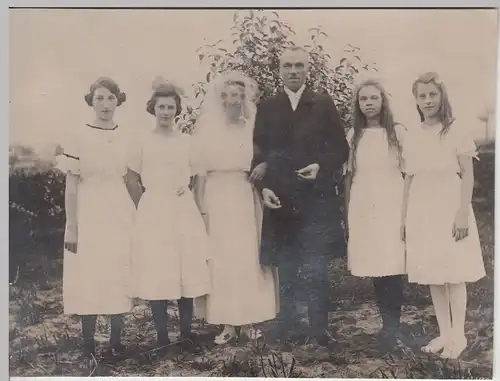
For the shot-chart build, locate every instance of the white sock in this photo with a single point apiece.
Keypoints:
(441, 302)
(458, 304)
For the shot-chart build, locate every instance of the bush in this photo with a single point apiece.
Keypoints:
(258, 40)
(36, 207)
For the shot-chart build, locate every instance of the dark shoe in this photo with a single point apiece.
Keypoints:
(285, 345)
(162, 338)
(387, 341)
(115, 351)
(119, 349)
(162, 342)
(323, 340)
(190, 343)
(89, 349)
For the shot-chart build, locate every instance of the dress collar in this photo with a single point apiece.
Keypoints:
(103, 129)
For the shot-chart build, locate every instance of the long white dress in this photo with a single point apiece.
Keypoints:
(95, 278)
(170, 244)
(375, 247)
(433, 255)
(243, 291)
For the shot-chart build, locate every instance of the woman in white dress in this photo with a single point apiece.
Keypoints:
(99, 218)
(374, 198)
(443, 248)
(243, 292)
(170, 244)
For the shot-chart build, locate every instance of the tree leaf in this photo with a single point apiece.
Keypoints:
(257, 42)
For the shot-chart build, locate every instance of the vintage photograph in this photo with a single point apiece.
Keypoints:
(277, 193)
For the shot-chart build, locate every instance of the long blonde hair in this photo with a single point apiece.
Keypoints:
(445, 113)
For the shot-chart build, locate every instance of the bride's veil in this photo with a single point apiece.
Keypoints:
(212, 112)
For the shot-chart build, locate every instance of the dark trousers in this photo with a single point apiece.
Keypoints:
(89, 325)
(160, 316)
(389, 296)
(315, 288)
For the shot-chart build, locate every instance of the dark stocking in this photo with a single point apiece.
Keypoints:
(185, 315)
(159, 310)
(389, 293)
(88, 330)
(116, 330)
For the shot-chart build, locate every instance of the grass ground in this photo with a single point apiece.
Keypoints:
(43, 342)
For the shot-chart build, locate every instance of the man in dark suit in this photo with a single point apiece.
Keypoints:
(299, 144)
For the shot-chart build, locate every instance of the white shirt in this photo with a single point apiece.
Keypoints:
(295, 96)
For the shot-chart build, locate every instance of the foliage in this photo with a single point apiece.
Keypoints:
(36, 206)
(258, 40)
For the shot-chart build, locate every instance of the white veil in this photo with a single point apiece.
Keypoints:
(212, 112)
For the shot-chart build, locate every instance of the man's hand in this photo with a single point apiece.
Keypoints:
(270, 199)
(258, 172)
(308, 173)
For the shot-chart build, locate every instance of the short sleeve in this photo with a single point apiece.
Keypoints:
(348, 165)
(400, 133)
(462, 141)
(408, 154)
(134, 153)
(349, 136)
(69, 160)
(196, 157)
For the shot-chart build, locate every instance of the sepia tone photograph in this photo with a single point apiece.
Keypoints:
(247, 192)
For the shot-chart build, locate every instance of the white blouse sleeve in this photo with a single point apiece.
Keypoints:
(69, 161)
(196, 157)
(348, 165)
(401, 132)
(134, 153)
(409, 152)
(462, 141)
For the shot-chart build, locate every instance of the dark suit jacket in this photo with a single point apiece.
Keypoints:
(288, 140)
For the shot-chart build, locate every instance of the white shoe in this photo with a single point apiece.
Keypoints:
(226, 335)
(253, 333)
(455, 348)
(435, 345)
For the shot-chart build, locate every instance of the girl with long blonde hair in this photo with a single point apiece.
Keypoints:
(443, 249)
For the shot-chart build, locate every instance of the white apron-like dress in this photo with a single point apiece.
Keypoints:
(170, 243)
(375, 246)
(433, 255)
(95, 278)
(243, 292)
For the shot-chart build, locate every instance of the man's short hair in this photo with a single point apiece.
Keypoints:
(294, 48)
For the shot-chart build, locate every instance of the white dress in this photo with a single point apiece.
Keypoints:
(243, 292)
(95, 278)
(375, 247)
(170, 244)
(433, 255)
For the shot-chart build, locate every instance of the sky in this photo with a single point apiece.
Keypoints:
(56, 54)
